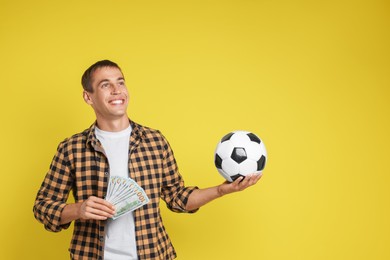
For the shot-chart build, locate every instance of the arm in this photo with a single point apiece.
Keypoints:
(188, 199)
(50, 206)
(54, 191)
(200, 197)
(173, 189)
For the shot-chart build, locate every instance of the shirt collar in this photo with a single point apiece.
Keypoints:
(136, 135)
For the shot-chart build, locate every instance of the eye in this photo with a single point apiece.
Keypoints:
(121, 83)
(105, 85)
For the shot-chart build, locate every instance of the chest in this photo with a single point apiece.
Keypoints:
(91, 170)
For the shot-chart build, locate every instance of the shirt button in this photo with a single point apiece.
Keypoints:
(101, 239)
(106, 173)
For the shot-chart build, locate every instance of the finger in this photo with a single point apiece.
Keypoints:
(102, 201)
(97, 207)
(100, 204)
(89, 212)
(237, 182)
(249, 180)
(246, 180)
(94, 216)
(258, 177)
(252, 179)
(96, 213)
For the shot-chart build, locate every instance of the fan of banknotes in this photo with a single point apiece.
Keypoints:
(125, 194)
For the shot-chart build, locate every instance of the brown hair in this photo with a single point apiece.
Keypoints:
(86, 79)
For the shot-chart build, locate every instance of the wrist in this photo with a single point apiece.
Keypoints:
(220, 191)
(69, 213)
(79, 213)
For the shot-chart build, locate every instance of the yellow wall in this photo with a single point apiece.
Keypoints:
(311, 78)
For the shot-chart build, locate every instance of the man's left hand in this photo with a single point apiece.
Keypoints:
(239, 184)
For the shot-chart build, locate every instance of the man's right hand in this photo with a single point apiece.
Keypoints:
(96, 208)
(92, 208)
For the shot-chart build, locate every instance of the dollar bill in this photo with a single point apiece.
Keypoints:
(125, 194)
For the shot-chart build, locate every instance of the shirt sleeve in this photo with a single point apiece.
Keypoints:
(54, 191)
(174, 191)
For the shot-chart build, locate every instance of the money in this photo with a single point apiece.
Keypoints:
(125, 194)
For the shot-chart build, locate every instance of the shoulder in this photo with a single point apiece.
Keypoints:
(149, 135)
(77, 140)
(146, 132)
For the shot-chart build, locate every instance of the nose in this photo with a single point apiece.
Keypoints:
(115, 89)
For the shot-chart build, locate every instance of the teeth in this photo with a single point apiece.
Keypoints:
(117, 102)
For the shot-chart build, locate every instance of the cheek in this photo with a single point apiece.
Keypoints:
(100, 99)
(127, 94)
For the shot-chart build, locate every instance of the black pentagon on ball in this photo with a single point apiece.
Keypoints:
(218, 161)
(261, 163)
(235, 177)
(226, 137)
(239, 155)
(254, 138)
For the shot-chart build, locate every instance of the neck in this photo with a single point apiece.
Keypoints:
(114, 125)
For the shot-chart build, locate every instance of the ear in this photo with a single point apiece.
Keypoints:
(87, 98)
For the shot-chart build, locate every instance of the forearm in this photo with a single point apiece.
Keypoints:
(48, 212)
(200, 197)
(70, 212)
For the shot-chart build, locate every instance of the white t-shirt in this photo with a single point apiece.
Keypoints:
(120, 233)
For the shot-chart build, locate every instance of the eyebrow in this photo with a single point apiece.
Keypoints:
(104, 80)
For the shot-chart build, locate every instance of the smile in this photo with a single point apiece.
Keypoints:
(117, 101)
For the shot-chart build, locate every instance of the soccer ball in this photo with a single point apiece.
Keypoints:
(240, 153)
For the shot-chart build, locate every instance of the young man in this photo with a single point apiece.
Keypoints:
(117, 146)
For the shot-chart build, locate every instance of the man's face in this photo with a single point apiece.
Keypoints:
(110, 97)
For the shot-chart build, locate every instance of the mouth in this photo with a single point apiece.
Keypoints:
(116, 101)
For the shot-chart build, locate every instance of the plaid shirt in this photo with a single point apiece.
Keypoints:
(80, 165)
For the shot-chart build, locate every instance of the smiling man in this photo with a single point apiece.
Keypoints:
(116, 146)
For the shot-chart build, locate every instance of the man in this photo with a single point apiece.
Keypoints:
(117, 146)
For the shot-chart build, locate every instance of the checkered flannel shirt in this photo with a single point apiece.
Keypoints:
(80, 165)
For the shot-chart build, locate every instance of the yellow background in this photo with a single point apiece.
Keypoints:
(311, 78)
